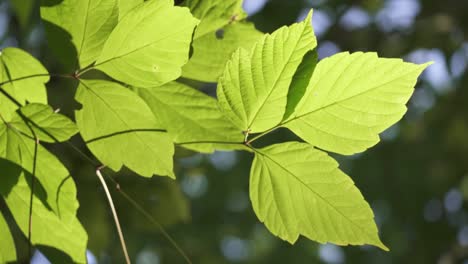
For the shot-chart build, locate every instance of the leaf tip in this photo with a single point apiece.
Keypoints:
(382, 246)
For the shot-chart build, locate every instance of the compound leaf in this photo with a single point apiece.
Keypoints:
(120, 129)
(23, 78)
(254, 87)
(48, 126)
(192, 117)
(351, 98)
(87, 23)
(298, 190)
(7, 244)
(149, 45)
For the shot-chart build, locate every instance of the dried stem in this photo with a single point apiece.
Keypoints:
(114, 214)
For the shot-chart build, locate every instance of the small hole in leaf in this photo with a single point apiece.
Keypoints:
(155, 68)
(219, 33)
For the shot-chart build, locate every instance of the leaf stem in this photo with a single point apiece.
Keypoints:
(114, 214)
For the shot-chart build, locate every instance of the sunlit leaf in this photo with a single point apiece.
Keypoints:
(192, 118)
(254, 87)
(351, 98)
(62, 231)
(298, 190)
(120, 129)
(47, 125)
(7, 245)
(16, 66)
(85, 23)
(50, 172)
(149, 45)
(126, 5)
(212, 50)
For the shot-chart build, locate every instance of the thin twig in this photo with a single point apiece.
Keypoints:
(114, 214)
(152, 220)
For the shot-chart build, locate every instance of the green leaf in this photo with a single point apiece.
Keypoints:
(16, 69)
(47, 125)
(63, 232)
(126, 5)
(50, 172)
(58, 226)
(192, 118)
(87, 23)
(300, 81)
(298, 190)
(23, 10)
(7, 244)
(149, 45)
(120, 129)
(351, 98)
(214, 14)
(220, 32)
(254, 87)
(211, 51)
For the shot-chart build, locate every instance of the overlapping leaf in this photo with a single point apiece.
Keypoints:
(62, 231)
(85, 24)
(211, 51)
(193, 118)
(214, 14)
(47, 125)
(254, 87)
(7, 245)
(120, 129)
(58, 226)
(221, 31)
(351, 98)
(23, 78)
(149, 45)
(298, 190)
(50, 172)
(126, 5)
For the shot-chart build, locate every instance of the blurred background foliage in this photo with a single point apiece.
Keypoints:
(416, 179)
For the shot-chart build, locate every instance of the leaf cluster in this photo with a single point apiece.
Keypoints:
(137, 113)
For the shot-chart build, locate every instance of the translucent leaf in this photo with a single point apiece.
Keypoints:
(63, 233)
(85, 23)
(120, 129)
(149, 45)
(7, 244)
(126, 5)
(300, 81)
(212, 50)
(254, 87)
(52, 175)
(298, 190)
(192, 118)
(15, 65)
(47, 125)
(215, 14)
(56, 227)
(351, 98)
